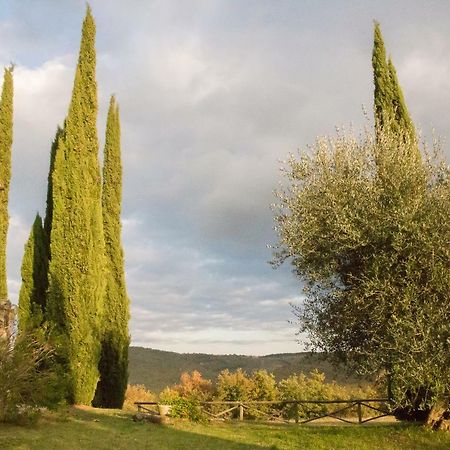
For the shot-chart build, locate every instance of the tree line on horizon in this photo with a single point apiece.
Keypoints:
(73, 292)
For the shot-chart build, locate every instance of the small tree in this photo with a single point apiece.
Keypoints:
(263, 386)
(233, 386)
(194, 386)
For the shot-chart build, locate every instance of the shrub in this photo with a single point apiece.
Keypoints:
(167, 395)
(233, 386)
(314, 387)
(181, 408)
(263, 387)
(194, 386)
(136, 393)
(30, 376)
(26, 415)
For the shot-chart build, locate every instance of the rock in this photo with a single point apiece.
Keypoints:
(436, 416)
(156, 418)
(152, 418)
(444, 425)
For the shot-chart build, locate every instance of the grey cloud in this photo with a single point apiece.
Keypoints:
(212, 93)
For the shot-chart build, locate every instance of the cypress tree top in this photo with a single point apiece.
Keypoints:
(112, 179)
(382, 93)
(389, 103)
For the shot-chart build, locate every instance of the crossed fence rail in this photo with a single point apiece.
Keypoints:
(275, 411)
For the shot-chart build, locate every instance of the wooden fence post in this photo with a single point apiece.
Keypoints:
(359, 412)
(241, 412)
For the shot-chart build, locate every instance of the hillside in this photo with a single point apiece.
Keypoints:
(156, 369)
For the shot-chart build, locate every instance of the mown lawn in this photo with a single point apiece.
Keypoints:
(96, 429)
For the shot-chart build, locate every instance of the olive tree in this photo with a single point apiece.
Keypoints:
(365, 222)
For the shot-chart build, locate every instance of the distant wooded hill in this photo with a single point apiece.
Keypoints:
(157, 369)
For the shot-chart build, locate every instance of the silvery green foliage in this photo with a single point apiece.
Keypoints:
(365, 222)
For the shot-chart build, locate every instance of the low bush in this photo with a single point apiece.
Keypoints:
(30, 377)
(136, 393)
(314, 387)
(182, 408)
(261, 386)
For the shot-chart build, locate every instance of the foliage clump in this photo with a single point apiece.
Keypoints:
(193, 385)
(30, 377)
(137, 393)
(186, 399)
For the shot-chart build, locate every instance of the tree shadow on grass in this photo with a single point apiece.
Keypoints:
(120, 429)
(83, 428)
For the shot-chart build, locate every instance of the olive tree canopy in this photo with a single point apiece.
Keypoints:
(365, 222)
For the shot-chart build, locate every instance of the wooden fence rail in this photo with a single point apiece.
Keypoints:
(287, 410)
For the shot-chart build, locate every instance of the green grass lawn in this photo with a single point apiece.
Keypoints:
(93, 429)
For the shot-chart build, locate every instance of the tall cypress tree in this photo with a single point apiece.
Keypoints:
(402, 178)
(389, 103)
(32, 297)
(114, 359)
(77, 264)
(6, 135)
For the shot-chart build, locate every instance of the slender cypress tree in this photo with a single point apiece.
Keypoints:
(32, 297)
(392, 116)
(49, 209)
(33, 292)
(114, 359)
(77, 263)
(389, 103)
(6, 135)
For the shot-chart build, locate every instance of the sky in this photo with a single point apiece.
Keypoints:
(213, 95)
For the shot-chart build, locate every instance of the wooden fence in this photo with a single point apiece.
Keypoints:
(288, 411)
